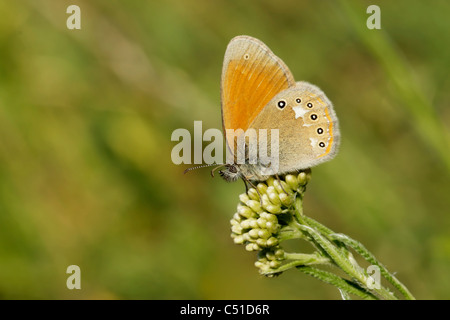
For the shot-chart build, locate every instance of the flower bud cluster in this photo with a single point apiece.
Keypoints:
(261, 215)
(269, 259)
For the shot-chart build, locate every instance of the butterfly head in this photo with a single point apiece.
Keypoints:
(231, 172)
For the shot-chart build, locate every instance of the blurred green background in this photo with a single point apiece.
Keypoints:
(86, 118)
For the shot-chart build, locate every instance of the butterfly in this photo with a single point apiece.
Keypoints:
(258, 91)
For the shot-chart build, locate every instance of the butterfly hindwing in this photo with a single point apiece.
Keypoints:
(307, 124)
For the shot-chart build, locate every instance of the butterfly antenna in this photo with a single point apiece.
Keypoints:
(202, 166)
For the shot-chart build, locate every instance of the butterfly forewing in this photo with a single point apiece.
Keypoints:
(252, 75)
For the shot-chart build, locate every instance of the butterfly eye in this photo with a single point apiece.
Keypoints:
(281, 104)
(322, 145)
(320, 131)
(298, 100)
(314, 116)
(309, 105)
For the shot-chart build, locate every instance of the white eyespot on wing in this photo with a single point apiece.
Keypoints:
(299, 112)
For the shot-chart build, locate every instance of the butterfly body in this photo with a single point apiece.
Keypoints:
(259, 92)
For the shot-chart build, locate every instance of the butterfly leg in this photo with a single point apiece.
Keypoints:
(218, 167)
(279, 181)
(246, 182)
(246, 185)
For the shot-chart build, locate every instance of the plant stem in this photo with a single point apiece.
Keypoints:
(333, 248)
(343, 285)
(263, 226)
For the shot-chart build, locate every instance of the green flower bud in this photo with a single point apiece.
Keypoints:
(238, 239)
(271, 189)
(274, 264)
(273, 196)
(279, 254)
(270, 226)
(253, 233)
(252, 247)
(253, 194)
(264, 233)
(245, 211)
(262, 187)
(286, 200)
(261, 242)
(292, 181)
(270, 255)
(273, 208)
(282, 188)
(270, 181)
(273, 228)
(261, 222)
(254, 224)
(254, 205)
(272, 241)
(245, 224)
(236, 229)
(270, 217)
(244, 198)
(265, 200)
(304, 177)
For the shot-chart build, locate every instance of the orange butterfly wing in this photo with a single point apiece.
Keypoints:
(251, 76)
